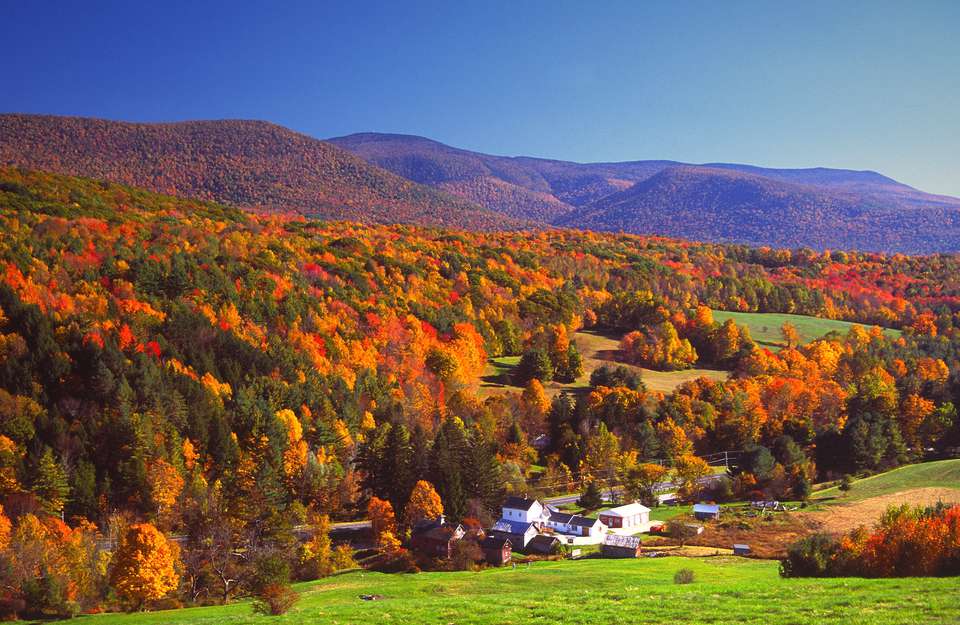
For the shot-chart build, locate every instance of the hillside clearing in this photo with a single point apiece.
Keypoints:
(597, 349)
(936, 474)
(726, 589)
(765, 327)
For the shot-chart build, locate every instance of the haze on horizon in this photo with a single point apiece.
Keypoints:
(862, 85)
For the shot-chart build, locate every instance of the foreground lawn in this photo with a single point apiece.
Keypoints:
(727, 590)
(765, 327)
(937, 474)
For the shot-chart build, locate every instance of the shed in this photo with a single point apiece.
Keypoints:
(616, 546)
(741, 550)
(706, 511)
(543, 545)
(496, 551)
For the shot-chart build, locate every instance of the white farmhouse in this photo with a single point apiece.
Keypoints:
(522, 510)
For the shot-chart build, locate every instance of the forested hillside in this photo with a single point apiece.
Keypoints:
(249, 164)
(226, 375)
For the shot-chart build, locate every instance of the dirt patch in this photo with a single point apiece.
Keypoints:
(767, 535)
(842, 518)
(688, 551)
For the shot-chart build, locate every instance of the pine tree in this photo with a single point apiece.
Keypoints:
(449, 457)
(591, 498)
(50, 484)
(484, 476)
(398, 465)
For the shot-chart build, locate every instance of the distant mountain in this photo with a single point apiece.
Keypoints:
(706, 203)
(249, 164)
(816, 207)
(524, 187)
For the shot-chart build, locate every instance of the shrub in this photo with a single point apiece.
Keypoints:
(270, 570)
(684, 576)
(811, 556)
(466, 554)
(846, 483)
(275, 599)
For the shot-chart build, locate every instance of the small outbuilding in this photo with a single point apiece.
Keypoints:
(616, 546)
(496, 551)
(741, 550)
(543, 545)
(706, 511)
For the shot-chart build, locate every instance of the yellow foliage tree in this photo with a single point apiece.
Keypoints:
(144, 565)
(165, 484)
(424, 503)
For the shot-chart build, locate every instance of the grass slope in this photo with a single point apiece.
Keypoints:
(726, 590)
(940, 473)
(765, 327)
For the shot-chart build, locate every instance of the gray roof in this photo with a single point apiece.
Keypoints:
(519, 503)
(511, 527)
(542, 543)
(710, 508)
(572, 519)
(494, 542)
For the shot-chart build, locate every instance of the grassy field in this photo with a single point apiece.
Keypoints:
(726, 590)
(597, 350)
(937, 474)
(765, 327)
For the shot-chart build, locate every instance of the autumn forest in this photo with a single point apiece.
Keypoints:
(177, 368)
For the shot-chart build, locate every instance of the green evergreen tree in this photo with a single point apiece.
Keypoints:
(534, 363)
(449, 457)
(591, 498)
(50, 484)
(398, 465)
(484, 475)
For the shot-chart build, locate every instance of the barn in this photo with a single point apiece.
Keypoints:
(631, 516)
(616, 546)
(496, 551)
(437, 542)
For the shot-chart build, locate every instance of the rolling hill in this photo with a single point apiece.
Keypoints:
(817, 207)
(250, 164)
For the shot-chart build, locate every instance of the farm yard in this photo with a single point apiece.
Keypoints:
(725, 589)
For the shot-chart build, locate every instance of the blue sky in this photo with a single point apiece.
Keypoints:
(864, 85)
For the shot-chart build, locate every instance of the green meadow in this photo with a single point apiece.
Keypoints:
(765, 327)
(726, 590)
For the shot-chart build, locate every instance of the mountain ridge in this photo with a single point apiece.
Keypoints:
(245, 163)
